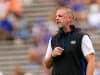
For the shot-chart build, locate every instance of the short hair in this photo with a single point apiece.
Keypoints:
(69, 11)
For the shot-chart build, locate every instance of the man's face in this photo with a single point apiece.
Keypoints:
(62, 18)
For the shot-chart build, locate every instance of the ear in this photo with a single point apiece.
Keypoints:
(70, 18)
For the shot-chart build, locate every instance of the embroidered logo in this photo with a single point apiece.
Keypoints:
(73, 42)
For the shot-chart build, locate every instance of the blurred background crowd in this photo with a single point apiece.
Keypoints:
(26, 26)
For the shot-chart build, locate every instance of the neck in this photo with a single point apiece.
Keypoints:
(67, 28)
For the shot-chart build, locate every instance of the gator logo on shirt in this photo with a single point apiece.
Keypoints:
(73, 42)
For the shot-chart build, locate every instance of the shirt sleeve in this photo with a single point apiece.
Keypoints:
(87, 47)
(49, 49)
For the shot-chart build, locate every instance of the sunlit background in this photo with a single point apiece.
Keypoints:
(26, 26)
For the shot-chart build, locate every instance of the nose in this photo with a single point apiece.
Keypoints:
(56, 17)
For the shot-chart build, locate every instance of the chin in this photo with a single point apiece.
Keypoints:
(60, 25)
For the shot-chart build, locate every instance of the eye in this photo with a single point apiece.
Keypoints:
(59, 15)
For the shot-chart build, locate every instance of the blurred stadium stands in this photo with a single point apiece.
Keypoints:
(14, 52)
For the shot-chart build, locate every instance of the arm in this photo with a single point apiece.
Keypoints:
(90, 64)
(50, 54)
(48, 58)
(48, 62)
(89, 53)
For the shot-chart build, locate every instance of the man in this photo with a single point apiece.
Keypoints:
(70, 51)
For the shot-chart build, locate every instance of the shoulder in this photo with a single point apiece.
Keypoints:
(86, 39)
(79, 33)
